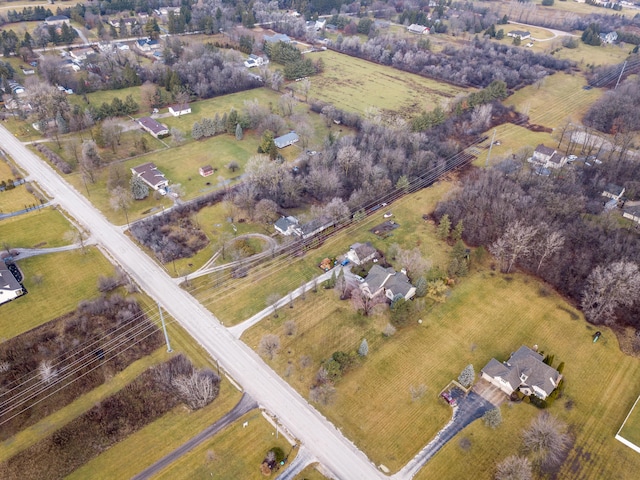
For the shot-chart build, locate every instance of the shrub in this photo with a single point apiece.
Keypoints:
(492, 418)
(54, 158)
(467, 376)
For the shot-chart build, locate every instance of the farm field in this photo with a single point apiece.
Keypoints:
(631, 429)
(487, 315)
(235, 452)
(41, 228)
(588, 55)
(354, 84)
(241, 298)
(56, 282)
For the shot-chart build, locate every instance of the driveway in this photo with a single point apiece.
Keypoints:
(245, 405)
(469, 409)
(303, 458)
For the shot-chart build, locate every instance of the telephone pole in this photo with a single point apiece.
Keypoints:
(486, 164)
(164, 329)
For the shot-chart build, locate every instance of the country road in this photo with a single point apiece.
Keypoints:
(325, 442)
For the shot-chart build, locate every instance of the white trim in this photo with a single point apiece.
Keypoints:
(622, 439)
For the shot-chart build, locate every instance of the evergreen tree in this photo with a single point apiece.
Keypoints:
(457, 231)
(139, 189)
(444, 227)
(363, 350)
(196, 131)
(239, 133)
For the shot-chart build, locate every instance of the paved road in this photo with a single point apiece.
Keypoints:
(246, 404)
(469, 409)
(303, 458)
(23, 253)
(327, 444)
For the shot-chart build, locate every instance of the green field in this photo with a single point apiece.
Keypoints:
(589, 55)
(631, 429)
(353, 84)
(239, 299)
(40, 228)
(16, 199)
(56, 283)
(101, 96)
(236, 452)
(310, 473)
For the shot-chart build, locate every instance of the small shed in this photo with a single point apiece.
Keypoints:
(206, 170)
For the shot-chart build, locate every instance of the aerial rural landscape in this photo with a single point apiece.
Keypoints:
(243, 239)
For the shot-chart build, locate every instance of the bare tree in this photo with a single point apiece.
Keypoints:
(547, 440)
(290, 327)
(492, 418)
(112, 132)
(90, 160)
(287, 103)
(514, 468)
(198, 389)
(265, 211)
(269, 346)
(272, 301)
(365, 304)
(413, 262)
(304, 87)
(608, 288)
(549, 243)
(417, 392)
(516, 243)
(46, 371)
(121, 199)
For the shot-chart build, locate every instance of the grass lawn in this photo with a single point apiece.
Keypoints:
(16, 199)
(513, 139)
(42, 228)
(588, 55)
(310, 473)
(22, 130)
(558, 98)
(631, 429)
(56, 282)
(99, 97)
(237, 300)
(354, 84)
(487, 315)
(236, 452)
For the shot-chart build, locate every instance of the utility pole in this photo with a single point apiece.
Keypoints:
(486, 164)
(164, 329)
(624, 65)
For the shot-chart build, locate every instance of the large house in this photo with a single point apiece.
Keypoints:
(418, 29)
(388, 282)
(632, 213)
(150, 175)
(179, 109)
(56, 20)
(154, 128)
(521, 34)
(547, 157)
(609, 37)
(81, 54)
(10, 288)
(147, 45)
(288, 226)
(277, 37)
(524, 371)
(613, 192)
(255, 61)
(286, 140)
(360, 253)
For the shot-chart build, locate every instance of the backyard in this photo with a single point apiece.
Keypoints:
(631, 429)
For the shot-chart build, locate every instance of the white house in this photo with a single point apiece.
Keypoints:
(387, 281)
(418, 29)
(255, 61)
(10, 288)
(632, 213)
(81, 54)
(521, 34)
(288, 226)
(56, 20)
(150, 174)
(610, 37)
(524, 371)
(547, 157)
(179, 109)
(613, 191)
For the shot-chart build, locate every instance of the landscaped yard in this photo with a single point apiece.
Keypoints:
(236, 452)
(40, 228)
(487, 315)
(16, 199)
(631, 429)
(237, 300)
(56, 282)
(354, 84)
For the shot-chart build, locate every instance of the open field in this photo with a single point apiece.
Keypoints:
(242, 298)
(56, 283)
(587, 56)
(487, 315)
(16, 199)
(41, 228)
(631, 429)
(354, 84)
(101, 96)
(513, 140)
(236, 452)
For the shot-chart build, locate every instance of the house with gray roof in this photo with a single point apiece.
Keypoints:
(286, 140)
(10, 288)
(547, 157)
(360, 253)
(419, 29)
(388, 282)
(150, 175)
(521, 34)
(288, 226)
(153, 127)
(56, 20)
(277, 37)
(524, 371)
(613, 191)
(632, 213)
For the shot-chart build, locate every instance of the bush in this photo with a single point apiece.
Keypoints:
(492, 418)
(54, 158)
(467, 376)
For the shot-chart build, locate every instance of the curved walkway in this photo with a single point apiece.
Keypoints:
(23, 253)
(246, 404)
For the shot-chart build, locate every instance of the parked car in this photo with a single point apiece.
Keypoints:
(449, 399)
(388, 215)
(359, 278)
(344, 262)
